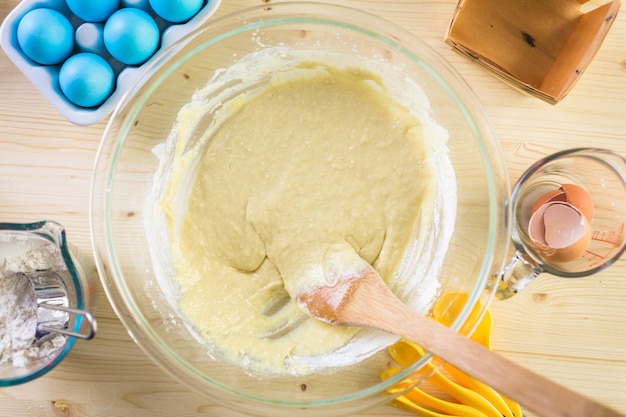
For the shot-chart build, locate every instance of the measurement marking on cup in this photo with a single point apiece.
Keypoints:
(610, 239)
(599, 236)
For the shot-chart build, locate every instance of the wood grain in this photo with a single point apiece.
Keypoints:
(571, 331)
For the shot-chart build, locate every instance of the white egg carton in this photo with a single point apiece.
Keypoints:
(45, 77)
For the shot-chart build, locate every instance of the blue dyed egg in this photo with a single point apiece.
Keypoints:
(93, 10)
(176, 11)
(88, 38)
(45, 36)
(131, 36)
(86, 79)
(139, 4)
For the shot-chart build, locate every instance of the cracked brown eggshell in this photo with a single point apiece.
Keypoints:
(559, 231)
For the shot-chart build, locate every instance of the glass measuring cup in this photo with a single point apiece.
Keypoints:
(601, 173)
(62, 282)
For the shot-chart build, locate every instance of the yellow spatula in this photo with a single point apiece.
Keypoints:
(474, 398)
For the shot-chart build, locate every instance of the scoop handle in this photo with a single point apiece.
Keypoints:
(533, 391)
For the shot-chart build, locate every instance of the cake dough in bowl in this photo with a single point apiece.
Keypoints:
(303, 180)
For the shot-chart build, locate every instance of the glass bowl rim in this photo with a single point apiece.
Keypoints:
(299, 12)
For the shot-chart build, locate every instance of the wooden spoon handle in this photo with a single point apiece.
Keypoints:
(366, 300)
(532, 391)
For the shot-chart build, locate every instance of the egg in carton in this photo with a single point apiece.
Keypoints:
(83, 55)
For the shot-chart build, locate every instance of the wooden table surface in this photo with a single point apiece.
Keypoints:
(573, 331)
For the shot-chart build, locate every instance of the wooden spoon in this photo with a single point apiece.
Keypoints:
(366, 301)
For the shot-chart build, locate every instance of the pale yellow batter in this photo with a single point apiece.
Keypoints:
(309, 169)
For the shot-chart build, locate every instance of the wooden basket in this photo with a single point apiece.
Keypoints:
(538, 46)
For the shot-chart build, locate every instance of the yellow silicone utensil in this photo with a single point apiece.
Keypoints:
(405, 353)
(423, 401)
(447, 308)
(473, 394)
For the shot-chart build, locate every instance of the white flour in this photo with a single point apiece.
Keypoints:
(18, 306)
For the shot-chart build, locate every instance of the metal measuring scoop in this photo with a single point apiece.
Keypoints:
(51, 299)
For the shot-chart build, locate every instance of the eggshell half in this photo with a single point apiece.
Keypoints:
(559, 231)
(555, 195)
(570, 193)
(579, 198)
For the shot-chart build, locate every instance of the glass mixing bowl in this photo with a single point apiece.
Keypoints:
(474, 228)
